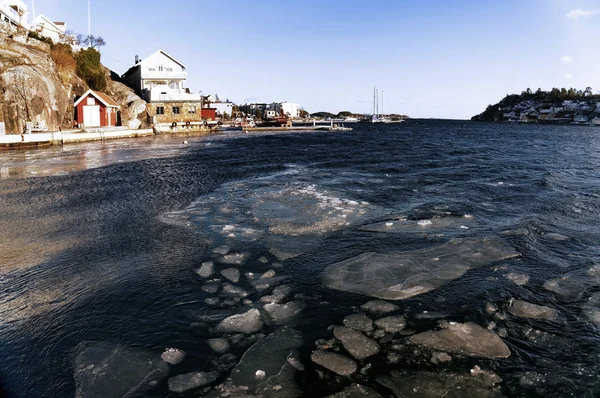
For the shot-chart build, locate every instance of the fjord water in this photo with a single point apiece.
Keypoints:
(101, 242)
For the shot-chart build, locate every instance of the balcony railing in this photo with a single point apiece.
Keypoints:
(172, 95)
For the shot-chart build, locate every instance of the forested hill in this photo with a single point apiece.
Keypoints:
(555, 106)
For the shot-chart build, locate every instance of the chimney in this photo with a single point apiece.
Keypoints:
(137, 59)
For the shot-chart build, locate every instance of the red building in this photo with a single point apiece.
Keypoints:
(95, 109)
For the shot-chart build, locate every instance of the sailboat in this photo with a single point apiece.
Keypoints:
(376, 117)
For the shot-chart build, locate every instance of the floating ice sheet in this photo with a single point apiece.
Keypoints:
(436, 224)
(285, 211)
(395, 276)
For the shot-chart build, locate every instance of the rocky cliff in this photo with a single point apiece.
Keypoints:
(33, 88)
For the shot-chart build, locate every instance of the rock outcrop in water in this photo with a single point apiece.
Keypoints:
(395, 276)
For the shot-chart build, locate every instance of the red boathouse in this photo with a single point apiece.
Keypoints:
(96, 109)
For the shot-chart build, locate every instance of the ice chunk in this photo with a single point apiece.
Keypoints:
(397, 276)
(264, 369)
(174, 356)
(391, 324)
(356, 391)
(219, 345)
(464, 338)
(523, 309)
(189, 381)
(279, 294)
(106, 370)
(356, 343)
(335, 362)
(379, 307)
(359, 322)
(233, 274)
(234, 258)
(248, 322)
(206, 270)
(284, 314)
(592, 309)
(435, 385)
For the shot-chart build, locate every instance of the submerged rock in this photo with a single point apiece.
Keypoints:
(436, 385)
(248, 322)
(402, 275)
(391, 324)
(464, 338)
(211, 287)
(517, 278)
(359, 322)
(173, 356)
(356, 343)
(105, 370)
(523, 309)
(337, 363)
(356, 391)
(379, 307)
(189, 381)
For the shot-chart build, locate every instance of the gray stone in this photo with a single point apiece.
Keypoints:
(356, 391)
(356, 343)
(395, 276)
(283, 314)
(335, 362)
(391, 324)
(379, 307)
(206, 270)
(219, 345)
(174, 356)
(359, 322)
(189, 381)
(523, 309)
(248, 322)
(106, 370)
(468, 339)
(233, 274)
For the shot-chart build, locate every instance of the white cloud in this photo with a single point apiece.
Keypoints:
(569, 76)
(566, 59)
(579, 13)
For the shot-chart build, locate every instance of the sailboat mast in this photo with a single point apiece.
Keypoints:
(382, 103)
(374, 100)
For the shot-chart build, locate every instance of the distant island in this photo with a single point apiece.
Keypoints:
(558, 106)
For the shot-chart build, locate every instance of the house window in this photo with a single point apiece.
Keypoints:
(91, 101)
(160, 110)
(192, 110)
(160, 68)
(169, 69)
(176, 110)
(152, 69)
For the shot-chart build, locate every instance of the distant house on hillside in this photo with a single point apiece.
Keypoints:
(161, 80)
(96, 109)
(13, 14)
(45, 27)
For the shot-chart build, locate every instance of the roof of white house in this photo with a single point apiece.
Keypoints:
(105, 99)
(143, 60)
(44, 20)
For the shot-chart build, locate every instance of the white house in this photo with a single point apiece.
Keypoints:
(159, 78)
(221, 107)
(290, 109)
(13, 14)
(45, 27)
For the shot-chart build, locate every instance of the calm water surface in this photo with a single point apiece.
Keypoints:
(100, 243)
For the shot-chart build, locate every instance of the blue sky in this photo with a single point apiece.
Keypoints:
(446, 59)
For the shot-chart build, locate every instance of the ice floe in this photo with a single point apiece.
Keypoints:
(396, 276)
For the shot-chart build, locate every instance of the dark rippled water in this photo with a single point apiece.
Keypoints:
(100, 243)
